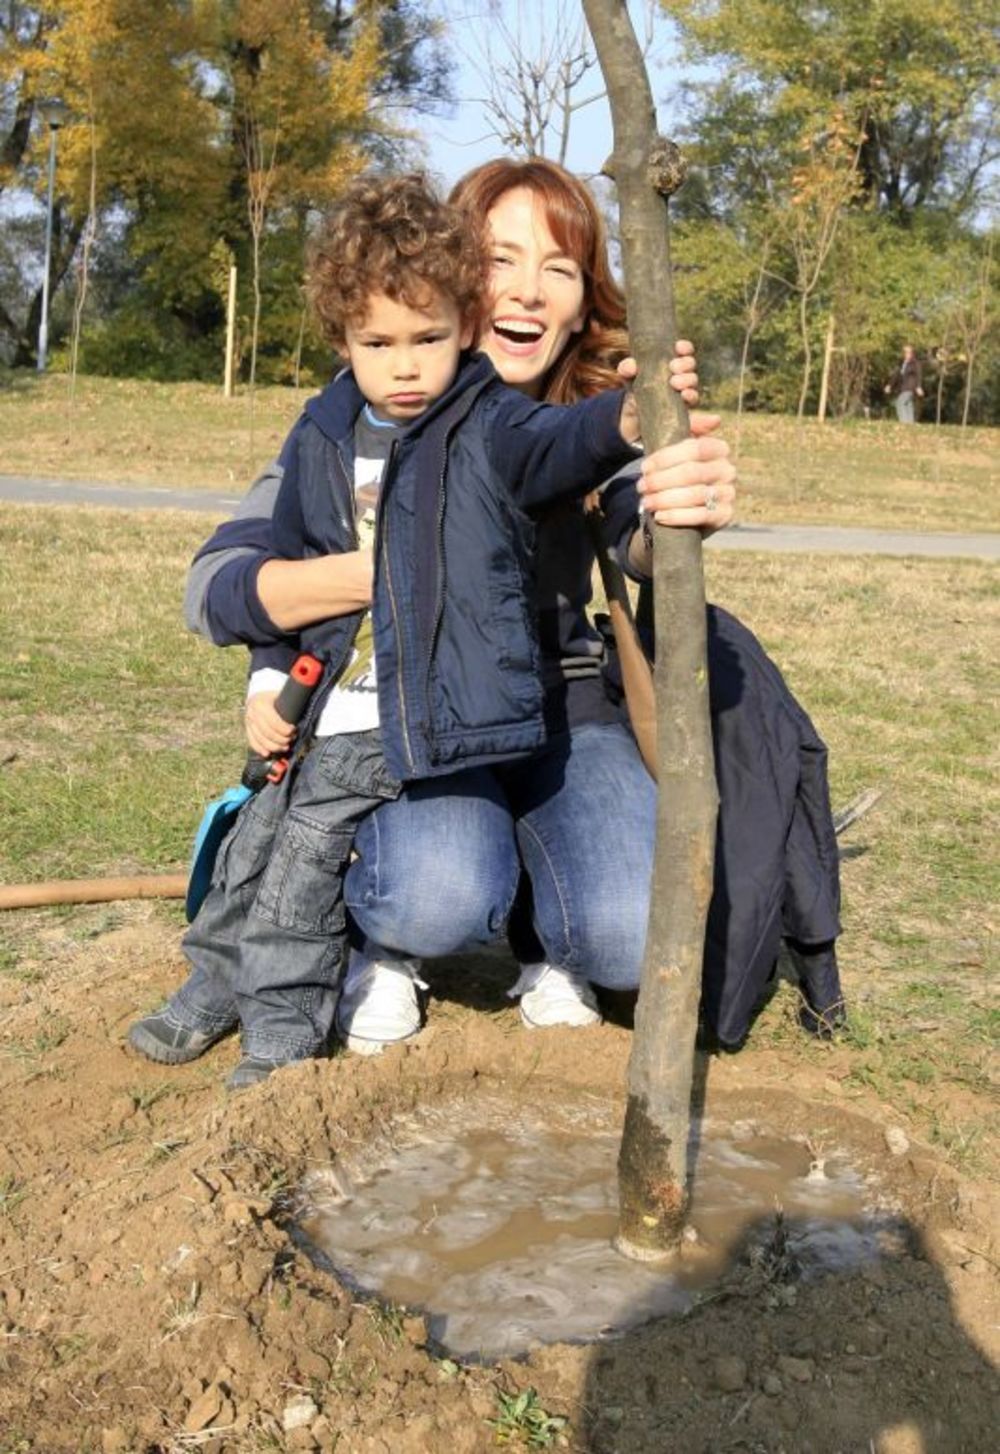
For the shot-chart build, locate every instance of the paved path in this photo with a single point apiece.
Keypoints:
(841, 540)
(116, 497)
(853, 540)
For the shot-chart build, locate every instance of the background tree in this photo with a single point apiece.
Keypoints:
(974, 313)
(165, 84)
(916, 82)
(821, 188)
(919, 77)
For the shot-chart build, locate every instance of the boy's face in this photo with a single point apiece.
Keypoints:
(404, 358)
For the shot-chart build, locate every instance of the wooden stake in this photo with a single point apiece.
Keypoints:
(824, 386)
(230, 333)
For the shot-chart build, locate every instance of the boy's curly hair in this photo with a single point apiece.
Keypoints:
(393, 235)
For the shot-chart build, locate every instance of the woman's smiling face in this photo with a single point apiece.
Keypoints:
(537, 293)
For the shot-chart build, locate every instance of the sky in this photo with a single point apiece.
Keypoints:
(456, 142)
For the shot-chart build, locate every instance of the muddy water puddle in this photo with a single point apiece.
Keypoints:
(497, 1224)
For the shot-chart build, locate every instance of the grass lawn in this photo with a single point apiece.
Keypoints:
(879, 473)
(115, 722)
(116, 727)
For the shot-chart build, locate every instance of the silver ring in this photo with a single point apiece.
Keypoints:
(711, 500)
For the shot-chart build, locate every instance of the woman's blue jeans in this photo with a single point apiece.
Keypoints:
(438, 869)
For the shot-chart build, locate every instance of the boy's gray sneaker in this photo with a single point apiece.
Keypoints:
(162, 1038)
(251, 1070)
(551, 995)
(378, 1005)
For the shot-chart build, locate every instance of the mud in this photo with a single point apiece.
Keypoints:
(154, 1300)
(497, 1222)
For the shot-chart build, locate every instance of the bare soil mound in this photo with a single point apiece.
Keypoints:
(151, 1298)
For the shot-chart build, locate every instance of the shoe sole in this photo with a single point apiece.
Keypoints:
(365, 1047)
(559, 1024)
(244, 1083)
(153, 1049)
(359, 1046)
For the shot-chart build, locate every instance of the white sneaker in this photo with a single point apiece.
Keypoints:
(551, 995)
(378, 1004)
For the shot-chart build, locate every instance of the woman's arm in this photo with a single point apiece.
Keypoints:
(295, 593)
(671, 492)
(238, 592)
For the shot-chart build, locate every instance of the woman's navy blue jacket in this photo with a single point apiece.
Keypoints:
(456, 651)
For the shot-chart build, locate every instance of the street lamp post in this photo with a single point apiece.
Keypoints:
(54, 112)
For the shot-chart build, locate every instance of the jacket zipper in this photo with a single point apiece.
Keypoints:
(350, 518)
(439, 604)
(382, 548)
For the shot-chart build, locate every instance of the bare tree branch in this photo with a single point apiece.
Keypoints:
(531, 64)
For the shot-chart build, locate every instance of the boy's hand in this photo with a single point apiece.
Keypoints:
(267, 733)
(683, 371)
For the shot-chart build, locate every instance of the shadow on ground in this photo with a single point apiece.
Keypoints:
(871, 1361)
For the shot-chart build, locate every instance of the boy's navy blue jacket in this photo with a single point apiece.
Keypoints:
(457, 659)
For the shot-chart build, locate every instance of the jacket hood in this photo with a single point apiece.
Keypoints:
(338, 406)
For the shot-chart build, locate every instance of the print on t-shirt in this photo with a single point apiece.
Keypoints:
(352, 706)
(360, 673)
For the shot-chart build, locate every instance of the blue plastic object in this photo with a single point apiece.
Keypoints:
(216, 822)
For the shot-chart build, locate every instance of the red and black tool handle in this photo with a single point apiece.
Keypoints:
(289, 704)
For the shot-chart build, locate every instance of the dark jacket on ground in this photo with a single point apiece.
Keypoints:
(457, 658)
(776, 860)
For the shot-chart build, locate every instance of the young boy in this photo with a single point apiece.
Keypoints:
(421, 449)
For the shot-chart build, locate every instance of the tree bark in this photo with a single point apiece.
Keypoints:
(652, 1163)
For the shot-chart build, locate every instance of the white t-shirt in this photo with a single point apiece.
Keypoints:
(352, 705)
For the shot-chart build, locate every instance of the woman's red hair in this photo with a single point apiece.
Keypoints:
(587, 363)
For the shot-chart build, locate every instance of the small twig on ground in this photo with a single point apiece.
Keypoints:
(741, 1410)
(855, 810)
(978, 1252)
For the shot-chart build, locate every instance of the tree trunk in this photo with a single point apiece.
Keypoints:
(652, 1163)
(752, 321)
(970, 360)
(83, 275)
(942, 368)
(806, 353)
(64, 241)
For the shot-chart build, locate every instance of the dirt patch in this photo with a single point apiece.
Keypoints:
(152, 1299)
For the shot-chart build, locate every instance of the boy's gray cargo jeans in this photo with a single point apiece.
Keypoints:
(268, 946)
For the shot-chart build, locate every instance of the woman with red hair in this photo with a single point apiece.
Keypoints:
(577, 818)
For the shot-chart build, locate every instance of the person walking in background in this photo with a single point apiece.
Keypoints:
(906, 385)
